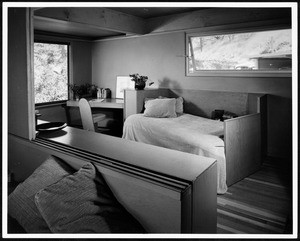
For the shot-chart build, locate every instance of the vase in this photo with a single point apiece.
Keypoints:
(140, 86)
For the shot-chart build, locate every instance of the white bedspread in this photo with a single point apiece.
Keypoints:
(187, 133)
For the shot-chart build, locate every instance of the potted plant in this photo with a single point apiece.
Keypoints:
(74, 91)
(84, 90)
(93, 91)
(139, 81)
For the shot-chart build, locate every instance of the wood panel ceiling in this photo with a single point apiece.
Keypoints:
(99, 23)
(153, 12)
(93, 23)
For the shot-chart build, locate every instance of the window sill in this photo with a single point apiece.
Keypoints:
(287, 74)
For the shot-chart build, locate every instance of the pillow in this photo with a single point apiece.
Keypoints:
(83, 203)
(179, 104)
(160, 108)
(145, 100)
(21, 204)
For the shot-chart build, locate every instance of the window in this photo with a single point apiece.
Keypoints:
(51, 72)
(260, 51)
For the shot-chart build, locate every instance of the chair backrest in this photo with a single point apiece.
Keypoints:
(86, 115)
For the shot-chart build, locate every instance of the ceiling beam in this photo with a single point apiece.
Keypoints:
(214, 17)
(101, 18)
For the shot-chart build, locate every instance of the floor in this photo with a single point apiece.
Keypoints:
(259, 204)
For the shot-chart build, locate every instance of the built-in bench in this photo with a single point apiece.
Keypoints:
(167, 191)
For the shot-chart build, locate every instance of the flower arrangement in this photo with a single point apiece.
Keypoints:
(140, 81)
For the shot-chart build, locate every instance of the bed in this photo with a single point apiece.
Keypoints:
(236, 143)
(187, 133)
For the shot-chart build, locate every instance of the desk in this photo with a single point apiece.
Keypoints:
(112, 107)
(100, 103)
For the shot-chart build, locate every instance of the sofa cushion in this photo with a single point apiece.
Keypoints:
(83, 203)
(21, 205)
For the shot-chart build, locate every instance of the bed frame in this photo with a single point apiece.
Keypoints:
(243, 136)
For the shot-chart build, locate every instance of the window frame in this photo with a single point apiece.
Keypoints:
(232, 73)
(58, 102)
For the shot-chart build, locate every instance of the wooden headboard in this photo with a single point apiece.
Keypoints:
(197, 102)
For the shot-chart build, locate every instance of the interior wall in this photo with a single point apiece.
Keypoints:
(18, 73)
(160, 58)
(82, 62)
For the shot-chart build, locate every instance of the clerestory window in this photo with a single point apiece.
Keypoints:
(254, 52)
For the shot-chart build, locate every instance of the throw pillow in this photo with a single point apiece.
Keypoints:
(178, 106)
(21, 204)
(160, 108)
(145, 100)
(83, 203)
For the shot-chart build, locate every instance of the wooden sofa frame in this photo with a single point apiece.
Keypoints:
(167, 191)
(243, 136)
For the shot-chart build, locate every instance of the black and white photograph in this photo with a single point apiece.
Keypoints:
(149, 120)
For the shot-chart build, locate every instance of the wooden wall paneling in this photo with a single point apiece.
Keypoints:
(242, 146)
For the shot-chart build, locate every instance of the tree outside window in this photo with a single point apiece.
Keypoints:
(251, 51)
(50, 72)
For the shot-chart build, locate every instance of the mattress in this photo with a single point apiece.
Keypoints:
(187, 133)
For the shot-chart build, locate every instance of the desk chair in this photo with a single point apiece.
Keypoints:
(89, 120)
